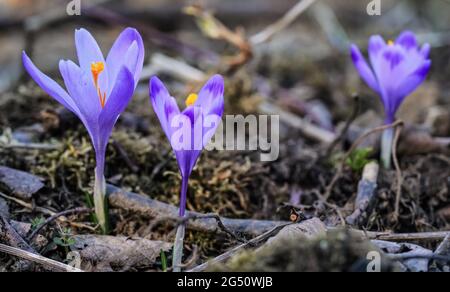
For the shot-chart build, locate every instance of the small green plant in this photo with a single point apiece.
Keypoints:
(163, 261)
(36, 222)
(65, 239)
(359, 158)
(90, 203)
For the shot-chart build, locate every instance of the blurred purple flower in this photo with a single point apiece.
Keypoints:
(396, 70)
(191, 130)
(98, 91)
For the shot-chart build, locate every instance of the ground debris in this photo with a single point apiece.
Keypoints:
(308, 229)
(4, 209)
(366, 195)
(335, 252)
(117, 253)
(20, 184)
(150, 208)
(415, 255)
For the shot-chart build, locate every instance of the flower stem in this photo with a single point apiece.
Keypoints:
(181, 231)
(386, 148)
(178, 248)
(101, 209)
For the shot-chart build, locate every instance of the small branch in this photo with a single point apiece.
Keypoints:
(310, 130)
(406, 237)
(10, 236)
(27, 205)
(331, 26)
(161, 63)
(49, 264)
(349, 153)
(31, 146)
(219, 223)
(281, 24)
(436, 257)
(45, 212)
(152, 34)
(145, 206)
(366, 193)
(56, 216)
(215, 29)
(444, 247)
(398, 172)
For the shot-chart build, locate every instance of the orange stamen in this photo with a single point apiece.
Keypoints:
(97, 68)
(192, 98)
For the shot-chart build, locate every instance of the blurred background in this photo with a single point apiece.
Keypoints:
(318, 38)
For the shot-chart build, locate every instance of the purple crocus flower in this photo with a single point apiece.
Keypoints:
(98, 91)
(396, 70)
(188, 131)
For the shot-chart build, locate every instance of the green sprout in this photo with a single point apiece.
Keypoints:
(36, 222)
(163, 261)
(359, 159)
(65, 239)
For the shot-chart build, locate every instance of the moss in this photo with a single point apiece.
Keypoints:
(338, 251)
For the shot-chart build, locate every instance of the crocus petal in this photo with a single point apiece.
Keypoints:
(162, 104)
(121, 48)
(132, 59)
(393, 57)
(387, 72)
(213, 120)
(117, 102)
(425, 51)
(83, 95)
(171, 110)
(87, 49)
(49, 85)
(81, 89)
(376, 46)
(411, 82)
(89, 52)
(407, 40)
(363, 68)
(188, 158)
(214, 89)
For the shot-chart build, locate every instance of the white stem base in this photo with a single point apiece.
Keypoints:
(100, 203)
(178, 248)
(386, 148)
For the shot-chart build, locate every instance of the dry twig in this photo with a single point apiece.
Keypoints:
(215, 29)
(310, 130)
(47, 263)
(349, 153)
(56, 216)
(45, 211)
(282, 23)
(148, 207)
(398, 172)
